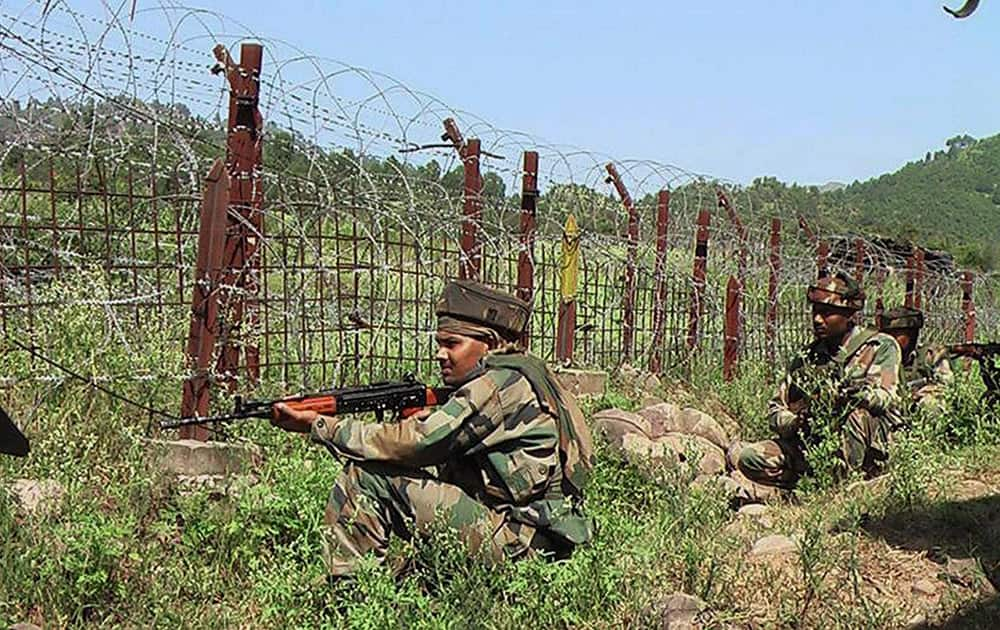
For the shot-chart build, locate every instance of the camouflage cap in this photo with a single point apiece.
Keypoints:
(837, 290)
(464, 301)
(901, 318)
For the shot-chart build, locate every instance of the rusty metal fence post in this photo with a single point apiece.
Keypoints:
(741, 234)
(910, 275)
(660, 290)
(244, 225)
(859, 260)
(697, 306)
(822, 258)
(526, 257)
(628, 302)
(470, 258)
(731, 330)
(774, 273)
(204, 299)
(968, 307)
(918, 280)
(734, 294)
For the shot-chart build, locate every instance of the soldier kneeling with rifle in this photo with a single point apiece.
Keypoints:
(503, 461)
(926, 370)
(850, 371)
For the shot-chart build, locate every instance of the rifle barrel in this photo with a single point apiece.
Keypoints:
(191, 421)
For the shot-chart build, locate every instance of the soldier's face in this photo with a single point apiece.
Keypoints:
(830, 322)
(457, 355)
(907, 340)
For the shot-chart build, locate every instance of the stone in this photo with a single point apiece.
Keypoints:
(669, 418)
(774, 545)
(924, 587)
(728, 486)
(24, 626)
(648, 400)
(916, 621)
(753, 510)
(700, 423)
(214, 485)
(193, 458)
(708, 457)
(729, 424)
(37, 497)
(679, 611)
(583, 382)
(756, 513)
(652, 383)
(614, 424)
(641, 450)
(628, 371)
(660, 417)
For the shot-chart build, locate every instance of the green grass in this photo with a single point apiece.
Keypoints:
(129, 546)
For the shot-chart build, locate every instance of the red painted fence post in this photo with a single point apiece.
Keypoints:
(918, 284)
(859, 260)
(731, 332)
(472, 205)
(628, 303)
(741, 233)
(244, 144)
(660, 291)
(526, 257)
(734, 318)
(697, 306)
(968, 307)
(204, 305)
(822, 258)
(910, 274)
(774, 273)
(470, 257)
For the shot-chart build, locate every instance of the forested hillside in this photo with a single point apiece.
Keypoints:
(948, 200)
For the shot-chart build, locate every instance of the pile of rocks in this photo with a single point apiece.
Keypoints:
(666, 435)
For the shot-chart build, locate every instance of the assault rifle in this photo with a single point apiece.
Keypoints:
(406, 396)
(986, 354)
(12, 441)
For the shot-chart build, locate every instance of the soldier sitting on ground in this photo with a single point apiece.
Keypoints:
(854, 369)
(503, 462)
(926, 370)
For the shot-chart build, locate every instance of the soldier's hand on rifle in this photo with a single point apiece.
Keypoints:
(420, 415)
(296, 421)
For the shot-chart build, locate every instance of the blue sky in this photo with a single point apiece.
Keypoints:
(805, 90)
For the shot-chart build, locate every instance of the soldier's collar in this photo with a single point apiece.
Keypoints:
(474, 373)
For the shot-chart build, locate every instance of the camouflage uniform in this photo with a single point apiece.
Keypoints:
(929, 374)
(503, 462)
(926, 370)
(859, 382)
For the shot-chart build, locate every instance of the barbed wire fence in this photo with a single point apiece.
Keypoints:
(365, 202)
